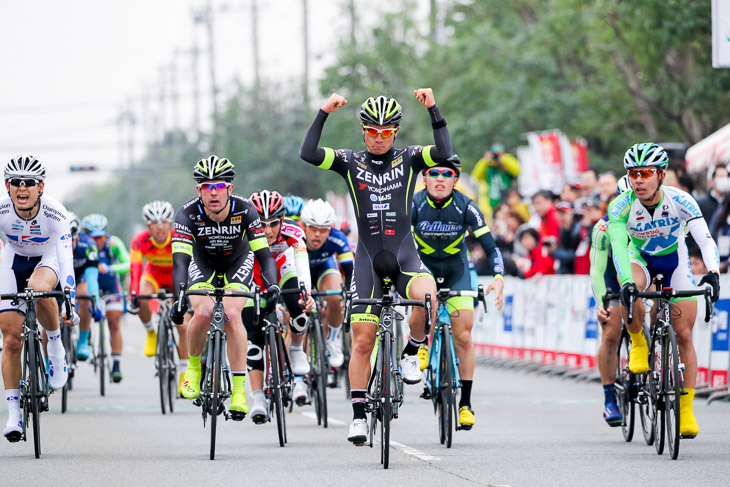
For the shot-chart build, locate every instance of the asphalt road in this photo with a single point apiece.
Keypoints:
(531, 430)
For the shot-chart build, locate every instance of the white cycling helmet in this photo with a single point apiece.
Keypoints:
(623, 184)
(318, 213)
(25, 167)
(158, 211)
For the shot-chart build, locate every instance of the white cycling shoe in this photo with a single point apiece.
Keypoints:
(336, 356)
(300, 393)
(13, 430)
(259, 412)
(57, 371)
(411, 369)
(299, 364)
(358, 432)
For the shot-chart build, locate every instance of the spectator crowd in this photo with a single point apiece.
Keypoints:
(550, 233)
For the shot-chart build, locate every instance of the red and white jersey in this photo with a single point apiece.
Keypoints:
(290, 252)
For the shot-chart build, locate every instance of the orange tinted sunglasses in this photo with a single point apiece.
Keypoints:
(373, 132)
(644, 172)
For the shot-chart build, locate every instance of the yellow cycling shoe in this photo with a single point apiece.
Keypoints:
(639, 357)
(150, 346)
(238, 407)
(688, 427)
(423, 356)
(191, 384)
(466, 418)
(179, 387)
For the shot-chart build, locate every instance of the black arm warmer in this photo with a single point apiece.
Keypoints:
(180, 263)
(268, 266)
(310, 150)
(347, 269)
(441, 136)
(494, 256)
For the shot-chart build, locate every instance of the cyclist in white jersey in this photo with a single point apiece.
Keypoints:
(654, 217)
(38, 254)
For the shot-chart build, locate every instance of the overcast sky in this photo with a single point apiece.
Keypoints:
(70, 67)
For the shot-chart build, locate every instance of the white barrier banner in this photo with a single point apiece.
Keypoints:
(553, 321)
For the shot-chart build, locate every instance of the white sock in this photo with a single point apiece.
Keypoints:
(148, 325)
(295, 347)
(183, 364)
(259, 396)
(334, 333)
(12, 399)
(55, 345)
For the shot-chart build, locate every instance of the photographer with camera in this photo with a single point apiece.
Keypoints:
(499, 170)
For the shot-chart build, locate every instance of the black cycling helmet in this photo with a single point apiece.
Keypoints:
(453, 162)
(381, 110)
(214, 169)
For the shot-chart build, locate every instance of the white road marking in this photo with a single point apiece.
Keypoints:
(413, 452)
(330, 420)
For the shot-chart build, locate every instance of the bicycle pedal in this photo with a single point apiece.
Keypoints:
(259, 419)
(14, 436)
(465, 428)
(237, 415)
(426, 394)
(197, 402)
(687, 437)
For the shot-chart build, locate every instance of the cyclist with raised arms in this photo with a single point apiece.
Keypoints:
(328, 252)
(86, 270)
(286, 242)
(381, 181)
(154, 245)
(604, 279)
(654, 217)
(113, 267)
(216, 236)
(440, 218)
(38, 252)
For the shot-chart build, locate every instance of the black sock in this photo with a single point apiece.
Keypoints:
(465, 394)
(358, 403)
(412, 346)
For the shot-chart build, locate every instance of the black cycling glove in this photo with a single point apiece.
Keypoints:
(627, 289)
(176, 316)
(713, 279)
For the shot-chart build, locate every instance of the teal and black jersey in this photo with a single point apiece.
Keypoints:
(439, 228)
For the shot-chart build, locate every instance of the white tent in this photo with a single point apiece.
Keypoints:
(709, 151)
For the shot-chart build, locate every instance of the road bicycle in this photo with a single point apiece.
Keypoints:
(166, 358)
(384, 394)
(665, 378)
(216, 386)
(34, 385)
(442, 374)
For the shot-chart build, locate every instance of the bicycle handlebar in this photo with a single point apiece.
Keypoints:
(220, 293)
(161, 295)
(86, 297)
(387, 301)
(444, 294)
(29, 295)
(667, 294)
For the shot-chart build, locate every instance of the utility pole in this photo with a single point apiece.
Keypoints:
(353, 21)
(205, 16)
(127, 117)
(255, 33)
(305, 84)
(173, 94)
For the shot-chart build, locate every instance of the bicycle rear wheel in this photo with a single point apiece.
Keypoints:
(161, 363)
(215, 384)
(656, 382)
(672, 388)
(275, 384)
(645, 401)
(623, 386)
(387, 399)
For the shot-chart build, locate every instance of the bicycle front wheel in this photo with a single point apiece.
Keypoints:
(447, 384)
(161, 363)
(623, 386)
(656, 382)
(35, 363)
(322, 368)
(102, 358)
(386, 398)
(275, 383)
(215, 402)
(673, 389)
(67, 344)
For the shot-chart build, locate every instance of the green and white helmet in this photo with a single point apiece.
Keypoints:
(214, 169)
(646, 154)
(381, 110)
